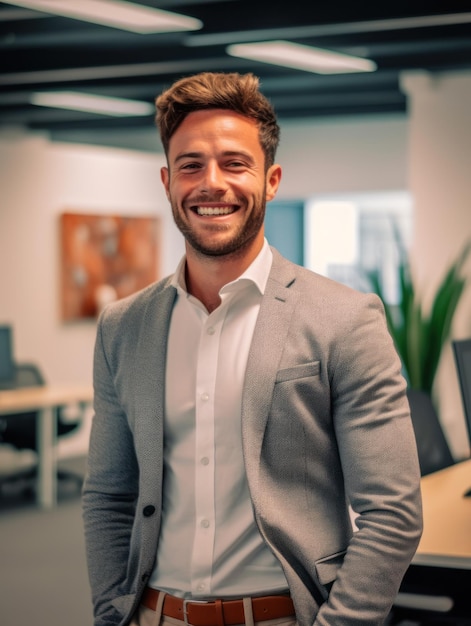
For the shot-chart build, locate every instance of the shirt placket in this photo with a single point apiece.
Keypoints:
(205, 506)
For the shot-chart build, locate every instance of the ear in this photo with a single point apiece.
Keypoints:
(273, 179)
(165, 178)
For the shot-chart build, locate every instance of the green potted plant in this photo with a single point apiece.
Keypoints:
(419, 336)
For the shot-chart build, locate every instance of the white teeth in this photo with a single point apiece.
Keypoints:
(214, 210)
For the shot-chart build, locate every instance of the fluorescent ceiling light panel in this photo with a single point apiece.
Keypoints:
(115, 13)
(301, 57)
(90, 103)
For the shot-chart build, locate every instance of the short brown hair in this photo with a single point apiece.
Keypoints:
(218, 90)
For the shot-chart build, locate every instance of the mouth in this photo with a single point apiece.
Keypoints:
(212, 210)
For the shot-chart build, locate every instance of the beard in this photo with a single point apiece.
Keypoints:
(233, 245)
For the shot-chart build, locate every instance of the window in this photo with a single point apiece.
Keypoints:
(347, 235)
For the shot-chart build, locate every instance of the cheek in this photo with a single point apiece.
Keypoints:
(180, 186)
(252, 189)
(174, 188)
(178, 193)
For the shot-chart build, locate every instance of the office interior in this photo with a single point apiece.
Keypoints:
(426, 152)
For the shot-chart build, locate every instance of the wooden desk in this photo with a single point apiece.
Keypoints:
(446, 540)
(45, 400)
(439, 578)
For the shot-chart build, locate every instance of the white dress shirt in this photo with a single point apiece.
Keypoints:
(209, 545)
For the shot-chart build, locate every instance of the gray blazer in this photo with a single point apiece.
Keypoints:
(325, 422)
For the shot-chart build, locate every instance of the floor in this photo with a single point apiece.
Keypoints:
(43, 579)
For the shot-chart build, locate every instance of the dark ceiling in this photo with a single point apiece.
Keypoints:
(43, 52)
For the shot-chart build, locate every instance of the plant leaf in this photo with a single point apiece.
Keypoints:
(419, 338)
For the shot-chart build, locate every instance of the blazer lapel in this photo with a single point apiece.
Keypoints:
(150, 405)
(268, 342)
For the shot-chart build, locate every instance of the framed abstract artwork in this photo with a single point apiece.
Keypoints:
(105, 258)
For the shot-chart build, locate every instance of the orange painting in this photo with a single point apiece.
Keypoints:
(105, 258)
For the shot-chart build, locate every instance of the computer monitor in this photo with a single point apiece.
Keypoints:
(7, 368)
(462, 351)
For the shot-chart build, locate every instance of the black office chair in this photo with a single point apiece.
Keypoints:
(432, 446)
(462, 354)
(20, 430)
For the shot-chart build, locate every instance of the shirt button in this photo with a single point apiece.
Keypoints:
(205, 523)
(201, 587)
(211, 330)
(205, 397)
(205, 461)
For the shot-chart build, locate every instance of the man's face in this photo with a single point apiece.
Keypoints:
(216, 182)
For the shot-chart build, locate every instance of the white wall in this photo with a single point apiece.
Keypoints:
(38, 181)
(343, 155)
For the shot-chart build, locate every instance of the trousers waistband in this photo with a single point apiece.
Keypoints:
(219, 612)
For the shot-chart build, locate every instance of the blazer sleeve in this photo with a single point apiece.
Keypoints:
(380, 466)
(110, 490)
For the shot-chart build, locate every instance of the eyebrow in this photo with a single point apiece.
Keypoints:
(227, 153)
(188, 155)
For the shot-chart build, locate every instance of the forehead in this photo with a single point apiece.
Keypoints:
(215, 127)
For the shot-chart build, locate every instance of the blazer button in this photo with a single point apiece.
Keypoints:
(148, 510)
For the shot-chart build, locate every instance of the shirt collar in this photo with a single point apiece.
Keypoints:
(257, 273)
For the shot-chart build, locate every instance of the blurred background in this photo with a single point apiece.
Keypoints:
(374, 105)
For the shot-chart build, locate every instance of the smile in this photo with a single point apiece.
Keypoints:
(214, 210)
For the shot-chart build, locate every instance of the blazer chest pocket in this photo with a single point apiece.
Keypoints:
(304, 370)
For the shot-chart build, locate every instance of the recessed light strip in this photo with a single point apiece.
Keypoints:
(77, 101)
(115, 13)
(288, 54)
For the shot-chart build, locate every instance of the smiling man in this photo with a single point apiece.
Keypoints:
(241, 406)
(218, 184)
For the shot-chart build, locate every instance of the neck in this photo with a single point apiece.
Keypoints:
(205, 275)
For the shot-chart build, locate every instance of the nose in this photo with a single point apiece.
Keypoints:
(213, 179)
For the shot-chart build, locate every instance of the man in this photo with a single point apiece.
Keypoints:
(241, 406)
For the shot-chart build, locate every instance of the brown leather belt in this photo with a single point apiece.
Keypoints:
(219, 612)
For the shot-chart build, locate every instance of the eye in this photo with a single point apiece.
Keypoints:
(190, 166)
(236, 164)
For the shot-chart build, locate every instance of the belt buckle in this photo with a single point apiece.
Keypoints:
(186, 602)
